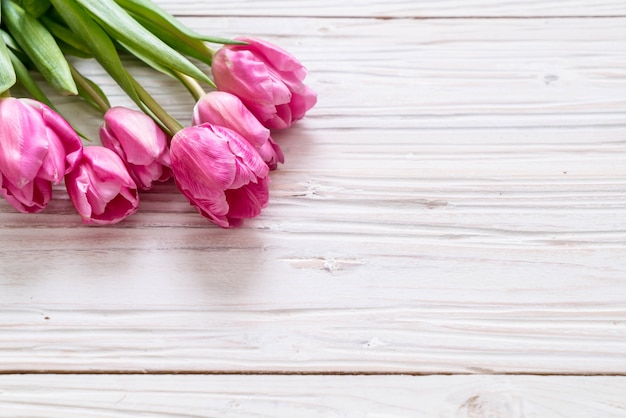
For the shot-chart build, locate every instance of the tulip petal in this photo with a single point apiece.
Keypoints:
(248, 200)
(24, 143)
(101, 188)
(279, 58)
(31, 198)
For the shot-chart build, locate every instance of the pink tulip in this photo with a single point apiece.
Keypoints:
(37, 148)
(268, 79)
(225, 109)
(101, 188)
(220, 173)
(140, 142)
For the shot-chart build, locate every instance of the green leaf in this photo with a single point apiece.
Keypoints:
(188, 46)
(15, 48)
(35, 7)
(97, 41)
(153, 13)
(105, 53)
(65, 35)
(40, 46)
(7, 74)
(70, 50)
(121, 26)
(24, 78)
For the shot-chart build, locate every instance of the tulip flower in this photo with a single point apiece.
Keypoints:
(267, 79)
(220, 173)
(37, 148)
(140, 142)
(225, 109)
(101, 188)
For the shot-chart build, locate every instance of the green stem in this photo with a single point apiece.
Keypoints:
(6, 93)
(192, 85)
(171, 124)
(83, 84)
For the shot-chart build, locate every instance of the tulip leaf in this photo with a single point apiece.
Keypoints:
(153, 13)
(121, 26)
(103, 49)
(35, 8)
(70, 50)
(7, 73)
(188, 46)
(97, 41)
(39, 45)
(15, 49)
(25, 79)
(66, 36)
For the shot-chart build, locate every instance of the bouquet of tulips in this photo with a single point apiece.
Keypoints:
(221, 163)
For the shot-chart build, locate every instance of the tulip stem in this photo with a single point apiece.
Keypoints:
(89, 90)
(192, 85)
(165, 119)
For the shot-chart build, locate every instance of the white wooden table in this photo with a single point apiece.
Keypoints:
(447, 237)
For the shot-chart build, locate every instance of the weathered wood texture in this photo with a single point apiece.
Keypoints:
(399, 8)
(455, 203)
(312, 396)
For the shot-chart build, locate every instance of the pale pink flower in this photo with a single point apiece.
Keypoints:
(101, 188)
(140, 142)
(37, 148)
(220, 173)
(225, 109)
(268, 79)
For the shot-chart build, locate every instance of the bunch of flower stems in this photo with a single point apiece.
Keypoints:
(221, 163)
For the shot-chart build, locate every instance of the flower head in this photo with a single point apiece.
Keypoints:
(140, 142)
(225, 109)
(101, 188)
(37, 148)
(268, 79)
(220, 173)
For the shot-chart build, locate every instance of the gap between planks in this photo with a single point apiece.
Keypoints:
(295, 373)
(473, 17)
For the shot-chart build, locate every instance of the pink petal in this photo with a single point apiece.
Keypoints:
(278, 57)
(225, 109)
(24, 143)
(248, 200)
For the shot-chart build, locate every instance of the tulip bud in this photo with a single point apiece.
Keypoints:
(140, 142)
(267, 79)
(101, 188)
(227, 110)
(37, 148)
(220, 173)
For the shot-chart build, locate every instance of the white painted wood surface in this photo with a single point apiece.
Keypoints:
(455, 203)
(312, 396)
(399, 8)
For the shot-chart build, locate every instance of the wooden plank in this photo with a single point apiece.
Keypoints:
(444, 74)
(314, 291)
(311, 396)
(397, 8)
(453, 204)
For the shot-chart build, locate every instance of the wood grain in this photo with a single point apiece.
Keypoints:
(312, 396)
(398, 8)
(455, 203)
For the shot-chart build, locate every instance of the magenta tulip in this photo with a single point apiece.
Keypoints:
(37, 148)
(268, 79)
(225, 109)
(101, 188)
(220, 173)
(140, 142)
